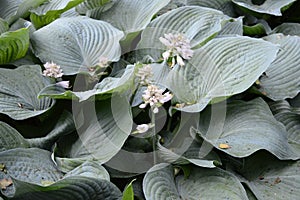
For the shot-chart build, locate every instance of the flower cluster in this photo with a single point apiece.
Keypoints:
(103, 62)
(155, 98)
(52, 70)
(178, 46)
(145, 74)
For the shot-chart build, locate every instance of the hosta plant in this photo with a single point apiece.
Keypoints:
(139, 99)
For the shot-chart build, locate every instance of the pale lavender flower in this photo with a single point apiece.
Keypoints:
(103, 62)
(145, 74)
(155, 98)
(52, 70)
(179, 48)
(142, 128)
(64, 84)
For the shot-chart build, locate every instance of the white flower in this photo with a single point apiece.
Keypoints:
(52, 70)
(155, 98)
(143, 128)
(103, 62)
(178, 46)
(145, 73)
(64, 84)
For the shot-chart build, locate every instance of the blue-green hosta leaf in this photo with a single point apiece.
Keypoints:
(131, 16)
(13, 45)
(29, 164)
(10, 138)
(50, 11)
(282, 78)
(202, 183)
(77, 43)
(64, 126)
(197, 24)
(226, 6)
(106, 126)
(3, 26)
(19, 90)
(223, 67)
(233, 27)
(288, 29)
(36, 177)
(90, 5)
(108, 86)
(248, 127)
(290, 117)
(90, 169)
(189, 152)
(272, 7)
(271, 179)
(11, 10)
(70, 188)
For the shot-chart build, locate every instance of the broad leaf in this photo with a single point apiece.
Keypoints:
(18, 92)
(50, 11)
(74, 187)
(188, 152)
(282, 78)
(141, 12)
(13, 45)
(288, 29)
(271, 179)
(11, 10)
(106, 126)
(226, 6)
(248, 127)
(31, 165)
(233, 27)
(108, 86)
(198, 24)
(10, 138)
(290, 117)
(3, 26)
(223, 67)
(64, 126)
(159, 183)
(94, 5)
(90, 169)
(77, 43)
(272, 7)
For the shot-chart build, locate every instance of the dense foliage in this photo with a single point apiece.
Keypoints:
(140, 99)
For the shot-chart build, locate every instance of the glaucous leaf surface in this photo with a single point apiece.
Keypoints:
(203, 24)
(19, 90)
(160, 183)
(13, 45)
(271, 179)
(248, 127)
(271, 7)
(282, 79)
(51, 10)
(223, 67)
(3, 26)
(131, 16)
(77, 43)
(290, 118)
(10, 138)
(108, 86)
(11, 10)
(74, 187)
(102, 126)
(288, 29)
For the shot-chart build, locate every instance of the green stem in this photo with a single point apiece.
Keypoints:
(153, 137)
